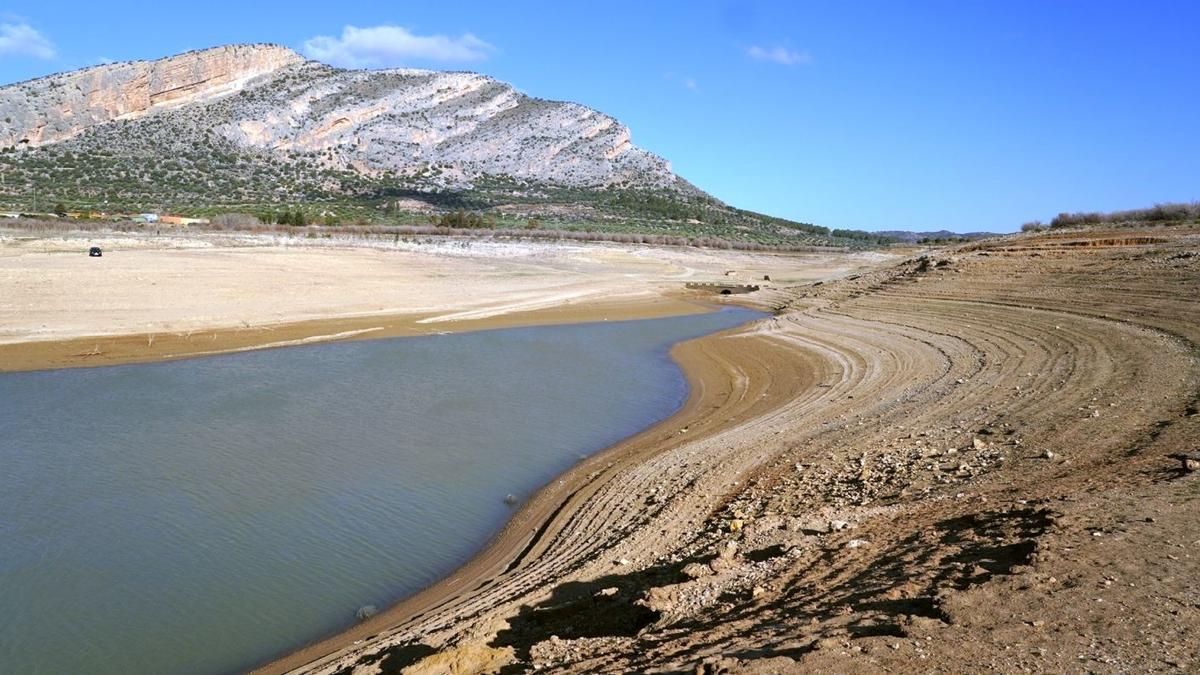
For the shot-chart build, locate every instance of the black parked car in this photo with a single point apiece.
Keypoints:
(94, 252)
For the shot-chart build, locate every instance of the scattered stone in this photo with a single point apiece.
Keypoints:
(663, 599)
(808, 525)
(826, 644)
(857, 543)
(1190, 462)
(978, 444)
(736, 524)
(607, 592)
(623, 562)
(696, 570)
(729, 551)
(1048, 455)
(726, 559)
(838, 525)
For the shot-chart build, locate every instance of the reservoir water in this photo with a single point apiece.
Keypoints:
(202, 516)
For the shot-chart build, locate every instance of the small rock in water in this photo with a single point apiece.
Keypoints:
(510, 499)
(365, 612)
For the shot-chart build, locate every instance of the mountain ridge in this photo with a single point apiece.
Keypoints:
(398, 119)
(253, 128)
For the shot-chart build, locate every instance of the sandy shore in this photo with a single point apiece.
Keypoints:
(928, 463)
(742, 379)
(963, 460)
(177, 295)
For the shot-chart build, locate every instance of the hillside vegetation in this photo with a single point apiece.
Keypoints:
(1161, 214)
(260, 131)
(209, 176)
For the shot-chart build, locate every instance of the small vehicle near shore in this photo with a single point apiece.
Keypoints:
(95, 252)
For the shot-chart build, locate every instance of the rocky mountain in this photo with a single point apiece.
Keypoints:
(402, 120)
(59, 107)
(258, 128)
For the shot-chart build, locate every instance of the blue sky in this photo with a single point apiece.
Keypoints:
(916, 115)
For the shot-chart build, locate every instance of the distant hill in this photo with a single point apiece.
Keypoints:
(913, 237)
(258, 128)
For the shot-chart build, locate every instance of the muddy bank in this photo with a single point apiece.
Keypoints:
(107, 350)
(967, 460)
(743, 379)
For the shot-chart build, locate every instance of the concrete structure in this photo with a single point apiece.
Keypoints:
(722, 288)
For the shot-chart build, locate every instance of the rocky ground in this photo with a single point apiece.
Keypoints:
(973, 460)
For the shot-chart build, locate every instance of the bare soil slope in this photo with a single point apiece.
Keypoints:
(959, 463)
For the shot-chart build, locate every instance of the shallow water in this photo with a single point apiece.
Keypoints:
(202, 516)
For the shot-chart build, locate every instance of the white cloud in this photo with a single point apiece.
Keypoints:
(781, 55)
(389, 46)
(688, 83)
(21, 39)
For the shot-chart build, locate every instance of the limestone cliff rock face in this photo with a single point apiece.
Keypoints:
(407, 120)
(58, 107)
(266, 99)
